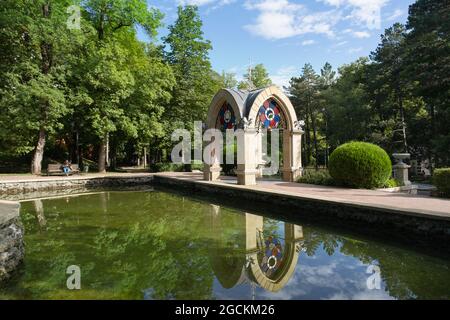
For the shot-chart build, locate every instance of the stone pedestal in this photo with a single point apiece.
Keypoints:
(401, 173)
(292, 155)
(401, 168)
(211, 173)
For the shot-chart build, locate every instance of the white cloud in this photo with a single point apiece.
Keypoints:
(279, 19)
(340, 44)
(397, 13)
(195, 2)
(284, 75)
(217, 3)
(361, 34)
(357, 34)
(308, 42)
(367, 12)
(354, 50)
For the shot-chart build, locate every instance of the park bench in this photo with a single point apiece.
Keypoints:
(56, 169)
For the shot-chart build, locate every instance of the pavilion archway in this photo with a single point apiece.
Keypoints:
(251, 112)
(253, 253)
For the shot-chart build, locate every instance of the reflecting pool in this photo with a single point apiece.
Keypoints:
(158, 245)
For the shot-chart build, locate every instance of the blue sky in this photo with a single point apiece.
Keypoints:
(286, 34)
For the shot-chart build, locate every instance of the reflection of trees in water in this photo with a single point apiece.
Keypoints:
(45, 262)
(157, 244)
(163, 252)
(314, 239)
(406, 274)
(144, 257)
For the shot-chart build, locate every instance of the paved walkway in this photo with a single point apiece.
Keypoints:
(409, 204)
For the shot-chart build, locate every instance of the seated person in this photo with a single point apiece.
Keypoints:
(67, 167)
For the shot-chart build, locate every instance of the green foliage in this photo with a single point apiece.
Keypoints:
(228, 80)
(96, 81)
(392, 183)
(196, 83)
(317, 177)
(427, 61)
(166, 167)
(306, 95)
(36, 52)
(397, 99)
(360, 165)
(441, 179)
(197, 166)
(109, 16)
(256, 78)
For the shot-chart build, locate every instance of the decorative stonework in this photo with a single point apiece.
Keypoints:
(11, 239)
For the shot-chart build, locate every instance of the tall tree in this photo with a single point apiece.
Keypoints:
(393, 89)
(326, 80)
(196, 83)
(304, 91)
(348, 108)
(109, 78)
(428, 62)
(36, 48)
(256, 77)
(228, 80)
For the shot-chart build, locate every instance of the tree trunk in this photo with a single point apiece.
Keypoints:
(102, 156)
(36, 162)
(313, 123)
(46, 56)
(308, 136)
(402, 116)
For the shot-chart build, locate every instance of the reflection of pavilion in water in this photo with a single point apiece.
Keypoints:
(253, 249)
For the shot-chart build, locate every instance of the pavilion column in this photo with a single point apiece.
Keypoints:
(292, 155)
(247, 157)
(253, 224)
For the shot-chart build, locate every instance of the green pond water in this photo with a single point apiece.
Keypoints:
(158, 245)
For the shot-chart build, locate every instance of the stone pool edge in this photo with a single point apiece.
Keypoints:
(11, 238)
(23, 189)
(420, 224)
(423, 224)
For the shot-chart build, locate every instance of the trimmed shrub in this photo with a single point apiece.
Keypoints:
(320, 177)
(360, 165)
(441, 180)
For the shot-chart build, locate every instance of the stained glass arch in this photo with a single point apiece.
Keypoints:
(226, 118)
(271, 116)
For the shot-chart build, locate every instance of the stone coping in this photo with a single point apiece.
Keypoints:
(7, 178)
(267, 188)
(407, 226)
(25, 187)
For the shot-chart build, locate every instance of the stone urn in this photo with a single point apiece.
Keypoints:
(401, 168)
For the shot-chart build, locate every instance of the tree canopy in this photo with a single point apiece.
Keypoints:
(97, 94)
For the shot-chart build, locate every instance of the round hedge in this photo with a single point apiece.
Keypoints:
(360, 165)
